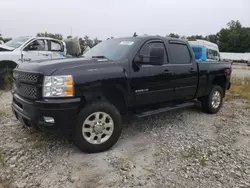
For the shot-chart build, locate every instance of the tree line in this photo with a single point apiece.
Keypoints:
(233, 38)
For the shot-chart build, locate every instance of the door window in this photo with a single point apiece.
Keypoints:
(146, 50)
(212, 54)
(55, 46)
(38, 45)
(180, 53)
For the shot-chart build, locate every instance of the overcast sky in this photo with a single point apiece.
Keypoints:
(105, 18)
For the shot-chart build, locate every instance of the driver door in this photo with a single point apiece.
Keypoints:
(35, 51)
(152, 83)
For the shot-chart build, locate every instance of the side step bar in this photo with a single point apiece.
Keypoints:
(161, 110)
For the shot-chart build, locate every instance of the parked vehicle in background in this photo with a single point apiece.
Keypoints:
(228, 60)
(136, 75)
(236, 57)
(28, 49)
(205, 50)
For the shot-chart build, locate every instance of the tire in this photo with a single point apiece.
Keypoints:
(213, 106)
(97, 114)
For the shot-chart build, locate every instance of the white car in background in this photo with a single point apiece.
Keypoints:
(29, 49)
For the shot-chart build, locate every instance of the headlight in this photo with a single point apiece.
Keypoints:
(58, 86)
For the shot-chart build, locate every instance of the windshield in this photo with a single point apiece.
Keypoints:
(114, 49)
(17, 42)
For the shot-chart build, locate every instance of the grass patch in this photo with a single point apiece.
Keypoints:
(203, 162)
(240, 88)
(247, 107)
(192, 152)
(40, 143)
(1, 159)
(7, 80)
(196, 153)
(3, 112)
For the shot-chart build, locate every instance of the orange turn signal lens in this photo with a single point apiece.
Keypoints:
(69, 81)
(69, 91)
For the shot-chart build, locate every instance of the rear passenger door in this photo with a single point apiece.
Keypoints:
(185, 73)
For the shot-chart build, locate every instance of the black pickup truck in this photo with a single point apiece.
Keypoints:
(88, 96)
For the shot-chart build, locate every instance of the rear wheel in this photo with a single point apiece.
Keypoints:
(98, 128)
(213, 101)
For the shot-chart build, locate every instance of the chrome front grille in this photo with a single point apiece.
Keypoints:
(27, 91)
(27, 85)
(26, 77)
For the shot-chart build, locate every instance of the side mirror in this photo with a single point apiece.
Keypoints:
(156, 57)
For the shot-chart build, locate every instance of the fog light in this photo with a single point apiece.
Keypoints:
(48, 119)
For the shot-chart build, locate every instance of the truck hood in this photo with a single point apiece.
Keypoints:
(5, 48)
(47, 68)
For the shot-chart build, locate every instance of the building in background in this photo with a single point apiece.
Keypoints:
(235, 57)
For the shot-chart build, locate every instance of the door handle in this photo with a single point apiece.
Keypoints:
(45, 54)
(192, 70)
(167, 72)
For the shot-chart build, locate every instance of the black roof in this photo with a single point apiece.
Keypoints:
(152, 36)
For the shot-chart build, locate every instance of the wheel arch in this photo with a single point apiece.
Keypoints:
(7, 64)
(116, 94)
(220, 81)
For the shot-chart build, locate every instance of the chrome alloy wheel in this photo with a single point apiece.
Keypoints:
(216, 99)
(98, 127)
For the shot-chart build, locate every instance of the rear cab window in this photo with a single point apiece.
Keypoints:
(179, 53)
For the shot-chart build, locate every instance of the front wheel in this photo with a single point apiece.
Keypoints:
(98, 128)
(213, 101)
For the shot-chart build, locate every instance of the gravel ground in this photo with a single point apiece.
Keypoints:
(186, 148)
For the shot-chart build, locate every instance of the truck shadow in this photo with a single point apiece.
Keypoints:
(132, 127)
